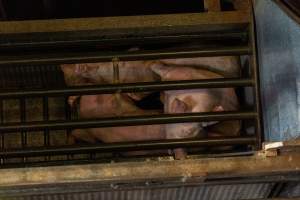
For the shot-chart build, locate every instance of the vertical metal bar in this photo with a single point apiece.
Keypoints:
(23, 119)
(2, 134)
(68, 116)
(255, 76)
(46, 118)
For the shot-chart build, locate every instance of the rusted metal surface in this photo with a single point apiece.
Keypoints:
(204, 168)
(106, 23)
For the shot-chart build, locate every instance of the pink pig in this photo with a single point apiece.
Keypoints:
(110, 105)
(193, 100)
(103, 73)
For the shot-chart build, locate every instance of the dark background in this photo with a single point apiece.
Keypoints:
(43, 9)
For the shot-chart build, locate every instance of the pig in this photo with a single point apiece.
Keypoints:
(112, 105)
(227, 66)
(103, 73)
(193, 100)
(72, 79)
(129, 71)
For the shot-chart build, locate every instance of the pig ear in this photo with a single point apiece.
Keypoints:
(179, 106)
(218, 109)
(160, 69)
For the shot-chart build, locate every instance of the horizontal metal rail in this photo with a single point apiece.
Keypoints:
(85, 57)
(132, 87)
(121, 147)
(92, 39)
(127, 121)
(120, 24)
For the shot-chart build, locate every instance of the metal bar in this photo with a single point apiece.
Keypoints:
(86, 57)
(203, 169)
(23, 120)
(198, 20)
(46, 119)
(89, 161)
(122, 147)
(68, 116)
(2, 147)
(92, 39)
(128, 121)
(255, 74)
(132, 87)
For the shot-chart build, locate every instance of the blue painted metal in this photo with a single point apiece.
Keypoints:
(278, 38)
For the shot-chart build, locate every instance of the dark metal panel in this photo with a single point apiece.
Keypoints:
(291, 190)
(279, 48)
(220, 192)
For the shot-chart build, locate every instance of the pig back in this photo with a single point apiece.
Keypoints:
(227, 66)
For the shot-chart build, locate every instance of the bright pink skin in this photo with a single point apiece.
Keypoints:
(228, 66)
(190, 101)
(106, 105)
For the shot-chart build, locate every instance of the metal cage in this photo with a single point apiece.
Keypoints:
(31, 51)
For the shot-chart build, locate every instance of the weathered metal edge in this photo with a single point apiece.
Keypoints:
(104, 23)
(205, 168)
(288, 11)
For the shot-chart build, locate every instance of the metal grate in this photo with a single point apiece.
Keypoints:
(219, 192)
(28, 79)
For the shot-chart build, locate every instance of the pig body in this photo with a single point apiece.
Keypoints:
(180, 101)
(103, 73)
(129, 72)
(227, 66)
(195, 100)
(109, 105)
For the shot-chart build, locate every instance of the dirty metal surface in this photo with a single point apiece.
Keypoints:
(278, 49)
(106, 23)
(210, 192)
(118, 172)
